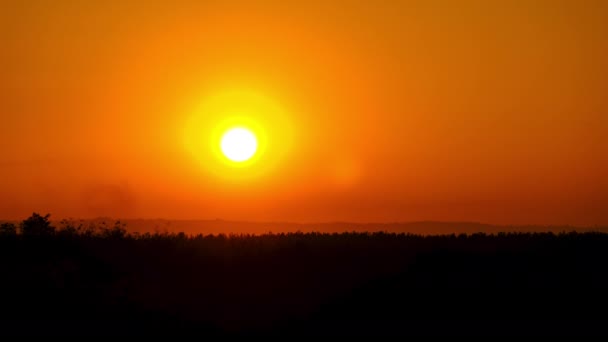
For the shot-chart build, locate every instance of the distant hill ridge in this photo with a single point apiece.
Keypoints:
(218, 226)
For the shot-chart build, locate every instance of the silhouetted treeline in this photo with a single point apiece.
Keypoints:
(102, 281)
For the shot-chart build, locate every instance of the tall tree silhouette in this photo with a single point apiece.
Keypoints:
(37, 225)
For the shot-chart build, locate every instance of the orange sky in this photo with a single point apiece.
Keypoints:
(400, 111)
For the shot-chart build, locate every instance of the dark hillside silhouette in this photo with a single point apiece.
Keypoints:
(194, 227)
(77, 280)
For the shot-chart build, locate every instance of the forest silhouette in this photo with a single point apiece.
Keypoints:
(77, 280)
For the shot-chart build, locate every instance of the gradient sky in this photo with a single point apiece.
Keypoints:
(493, 111)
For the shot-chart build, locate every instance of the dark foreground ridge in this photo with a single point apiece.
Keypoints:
(106, 282)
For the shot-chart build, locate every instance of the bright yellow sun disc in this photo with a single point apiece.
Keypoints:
(239, 144)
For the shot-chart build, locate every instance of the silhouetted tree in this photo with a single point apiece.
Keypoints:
(37, 225)
(118, 231)
(8, 229)
(68, 229)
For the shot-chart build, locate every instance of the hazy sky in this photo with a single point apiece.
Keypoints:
(493, 111)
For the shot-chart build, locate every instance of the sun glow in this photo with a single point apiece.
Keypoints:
(238, 135)
(239, 144)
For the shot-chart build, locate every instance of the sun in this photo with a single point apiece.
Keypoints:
(239, 144)
(238, 135)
